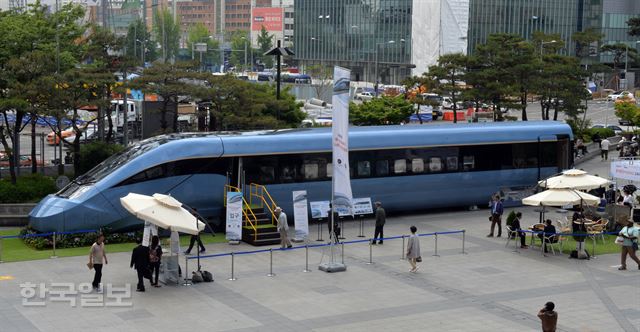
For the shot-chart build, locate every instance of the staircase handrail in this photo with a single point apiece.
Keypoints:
(271, 203)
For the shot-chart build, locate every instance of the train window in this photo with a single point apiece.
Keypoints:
(382, 168)
(310, 171)
(329, 170)
(468, 163)
(435, 164)
(267, 174)
(155, 173)
(417, 165)
(288, 173)
(452, 164)
(364, 169)
(400, 166)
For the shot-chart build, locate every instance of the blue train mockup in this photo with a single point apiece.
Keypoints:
(406, 167)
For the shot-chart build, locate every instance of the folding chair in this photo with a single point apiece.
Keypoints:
(550, 244)
(511, 235)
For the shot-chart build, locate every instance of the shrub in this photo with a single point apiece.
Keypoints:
(94, 153)
(74, 240)
(28, 189)
(602, 132)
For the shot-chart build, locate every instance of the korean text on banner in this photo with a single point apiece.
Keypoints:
(234, 216)
(301, 214)
(626, 169)
(342, 196)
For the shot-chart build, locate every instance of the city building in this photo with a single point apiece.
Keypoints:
(289, 21)
(379, 40)
(237, 13)
(191, 13)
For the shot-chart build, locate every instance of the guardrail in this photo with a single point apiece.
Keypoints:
(307, 246)
(54, 235)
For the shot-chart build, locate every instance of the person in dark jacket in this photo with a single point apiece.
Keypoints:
(549, 232)
(515, 226)
(155, 256)
(496, 215)
(336, 229)
(548, 317)
(195, 238)
(381, 218)
(140, 261)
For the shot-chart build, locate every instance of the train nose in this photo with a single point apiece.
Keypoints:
(48, 215)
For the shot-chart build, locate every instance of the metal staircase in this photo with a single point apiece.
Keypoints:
(258, 218)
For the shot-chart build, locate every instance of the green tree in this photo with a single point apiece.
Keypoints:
(634, 26)
(561, 86)
(137, 40)
(323, 75)
(240, 105)
(447, 77)
(239, 44)
(587, 42)
(628, 111)
(169, 82)
(199, 33)
(381, 111)
(265, 44)
(167, 33)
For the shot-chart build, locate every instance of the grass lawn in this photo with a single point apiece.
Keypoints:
(14, 250)
(608, 247)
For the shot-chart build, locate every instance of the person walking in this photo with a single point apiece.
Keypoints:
(140, 261)
(496, 215)
(413, 249)
(630, 245)
(381, 218)
(97, 257)
(604, 149)
(283, 228)
(155, 256)
(548, 317)
(195, 238)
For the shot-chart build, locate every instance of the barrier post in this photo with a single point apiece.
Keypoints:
(1, 261)
(464, 232)
(54, 245)
(342, 230)
(436, 252)
(270, 263)
(342, 249)
(306, 262)
(402, 249)
(320, 230)
(361, 227)
(187, 281)
(370, 252)
(593, 247)
(233, 278)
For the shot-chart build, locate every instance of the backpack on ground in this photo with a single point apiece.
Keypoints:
(196, 277)
(207, 276)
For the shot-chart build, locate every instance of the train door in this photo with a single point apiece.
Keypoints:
(564, 150)
(236, 174)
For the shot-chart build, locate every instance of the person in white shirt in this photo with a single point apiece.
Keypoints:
(283, 228)
(604, 149)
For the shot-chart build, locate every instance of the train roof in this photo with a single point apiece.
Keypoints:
(388, 137)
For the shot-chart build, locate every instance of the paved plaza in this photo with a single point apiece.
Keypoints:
(491, 288)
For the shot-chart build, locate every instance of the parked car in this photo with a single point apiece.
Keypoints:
(621, 95)
(616, 129)
(365, 96)
(625, 122)
(447, 103)
(54, 139)
(89, 133)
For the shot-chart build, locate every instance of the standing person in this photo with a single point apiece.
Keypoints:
(604, 149)
(195, 238)
(155, 256)
(97, 257)
(548, 317)
(333, 217)
(496, 215)
(610, 195)
(283, 228)
(630, 244)
(413, 249)
(140, 261)
(381, 218)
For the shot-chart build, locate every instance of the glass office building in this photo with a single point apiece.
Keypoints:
(356, 34)
(523, 17)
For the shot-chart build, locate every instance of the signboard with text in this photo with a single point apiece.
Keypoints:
(269, 18)
(234, 216)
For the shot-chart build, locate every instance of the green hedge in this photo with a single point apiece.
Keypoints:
(28, 189)
(602, 132)
(94, 153)
(75, 240)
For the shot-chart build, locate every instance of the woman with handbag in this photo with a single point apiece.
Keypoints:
(628, 237)
(413, 250)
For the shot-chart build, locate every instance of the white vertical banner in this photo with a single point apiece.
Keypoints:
(174, 243)
(300, 214)
(342, 196)
(234, 216)
(146, 234)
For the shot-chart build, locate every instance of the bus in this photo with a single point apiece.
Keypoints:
(408, 168)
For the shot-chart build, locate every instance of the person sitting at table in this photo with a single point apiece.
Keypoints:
(549, 232)
(578, 214)
(515, 226)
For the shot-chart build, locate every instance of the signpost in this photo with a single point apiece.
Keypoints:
(300, 215)
(234, 217)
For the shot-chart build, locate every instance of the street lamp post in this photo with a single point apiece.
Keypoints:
(376, 66)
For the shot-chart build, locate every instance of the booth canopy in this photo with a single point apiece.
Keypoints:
(561, 197)
(574, 179)
(163, 211)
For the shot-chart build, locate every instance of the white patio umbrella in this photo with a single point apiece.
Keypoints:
(163, 211)
(574, 179)
(560, 197)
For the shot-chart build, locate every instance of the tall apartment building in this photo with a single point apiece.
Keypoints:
(191, 13)
(237, 13)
